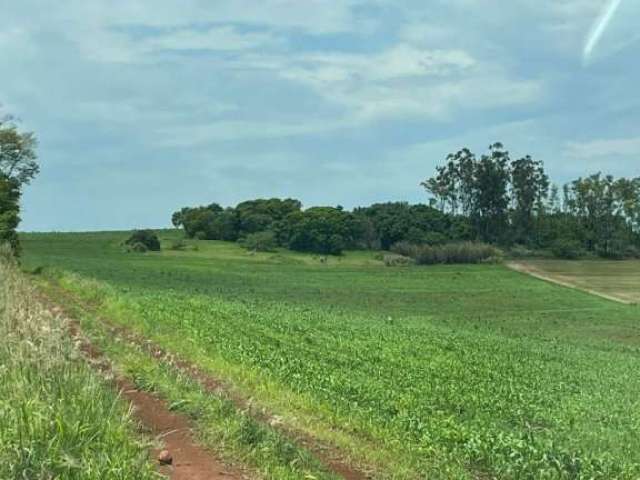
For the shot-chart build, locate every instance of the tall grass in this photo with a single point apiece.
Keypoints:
(58, 419)
(458, 252)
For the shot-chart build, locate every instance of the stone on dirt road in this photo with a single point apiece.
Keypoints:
(165, 458)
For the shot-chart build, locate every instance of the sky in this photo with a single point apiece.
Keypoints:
(143, 107)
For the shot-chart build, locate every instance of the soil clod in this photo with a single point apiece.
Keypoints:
(165, 458)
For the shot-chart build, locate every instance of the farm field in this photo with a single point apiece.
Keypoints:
(617, 279)
(418, 372)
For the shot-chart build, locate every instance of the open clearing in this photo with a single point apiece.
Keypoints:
(614, 279)
(420, 372)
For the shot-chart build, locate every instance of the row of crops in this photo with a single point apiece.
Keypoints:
(455, 401)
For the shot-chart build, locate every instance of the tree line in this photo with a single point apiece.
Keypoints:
(323, 230)
(489, 198)
(512, 202)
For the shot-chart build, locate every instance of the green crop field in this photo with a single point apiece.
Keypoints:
(413, 372)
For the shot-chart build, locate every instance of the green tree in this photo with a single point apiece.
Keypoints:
(605, 209)
(529, 192)
(196, 220)
(454, 186)
(324, 230)
(394, 222)
(9, 211)
(18, 158)
(18, 166)
(490, 211)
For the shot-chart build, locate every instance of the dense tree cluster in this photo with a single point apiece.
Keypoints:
(512, 202)
(323, 230)
(490, 198)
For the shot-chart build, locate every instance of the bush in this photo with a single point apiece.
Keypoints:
(395, 260)
(406, 249)
(260, 242)
(178, 245)
(137, 247)
(615, 249)
(7, 254)
(146, 238)
(567, 249)
(449, 253)
(632, 252)
(520, 251)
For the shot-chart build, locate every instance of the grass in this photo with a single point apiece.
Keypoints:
(57, 418)
(620, 279)
(445, 371)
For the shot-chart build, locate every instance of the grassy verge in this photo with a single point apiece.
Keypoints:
(58, 419)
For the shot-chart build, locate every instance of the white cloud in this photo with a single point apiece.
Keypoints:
(604, 148)
(193, 135)
(405, 80)
(107, 45)
(216, 38)
(399, 61)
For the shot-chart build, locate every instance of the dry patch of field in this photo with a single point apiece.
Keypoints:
(616, 280)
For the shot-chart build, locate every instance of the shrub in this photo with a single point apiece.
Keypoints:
(567, 249)
(520, 251)
(260, 242)
(178, 245)
(147, 238)
(405, 249)
(615, 249)
(7, 254)
(137, 247)
(459, 252)
(632, 252)
(395, 260)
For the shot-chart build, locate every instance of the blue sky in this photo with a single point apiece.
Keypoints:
(145, 107)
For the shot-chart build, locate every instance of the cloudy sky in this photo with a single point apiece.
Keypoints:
(142, 107)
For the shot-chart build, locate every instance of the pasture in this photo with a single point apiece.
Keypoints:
(413, 372)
